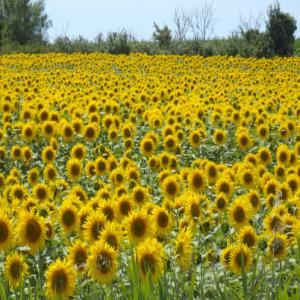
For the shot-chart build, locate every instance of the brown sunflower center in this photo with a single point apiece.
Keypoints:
(59, 281)
(4, 231)
(33, 231)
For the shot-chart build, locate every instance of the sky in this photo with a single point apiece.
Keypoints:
(89, 17)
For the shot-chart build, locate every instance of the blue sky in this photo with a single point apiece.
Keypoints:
(89, 17)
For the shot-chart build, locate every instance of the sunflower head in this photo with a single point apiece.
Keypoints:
(60, 280)
(15, 269)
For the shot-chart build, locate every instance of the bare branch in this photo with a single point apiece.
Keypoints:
(181, 21)
(202, 21)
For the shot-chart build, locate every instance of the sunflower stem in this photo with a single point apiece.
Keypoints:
(244, 277)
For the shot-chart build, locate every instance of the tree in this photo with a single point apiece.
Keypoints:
(202, 21)
(162, 35)
(280, 29)
(23, 21)
(181, 21)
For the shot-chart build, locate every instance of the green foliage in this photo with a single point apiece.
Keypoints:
(23, 22)
(281, 28)
(119, 42)
(162, 35)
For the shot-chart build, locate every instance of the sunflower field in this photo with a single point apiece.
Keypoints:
(149, 177)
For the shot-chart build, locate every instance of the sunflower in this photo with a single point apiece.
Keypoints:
(91, 132)
(243, 140)
(277, 246)
(60, 280)
(49, 230)
(31, 231)
(41, 192)
(112, 235)
(102, 262)
(101, 166)
(247, 176)
(280, 172)
(225, 256)
(49, 129)
(224, 185)
(273, 223)
(195, 139)
(192, 207)
(170, 143)
(74, 169)
(77, 255)
(254, 200)
(67, 132)
(239, 212)
(48, 154)
(124, 206)
(77, 125)
(138, 226)
(153, 163)
(6, 232)
(68, 216)
(220, 137)
(247, 235)
(162, 221)
(240, 259)
(79, 192)
(16, 269)
(150, 258)
(147, 147)
(264, 156)
(263, 131)
(50, 173)
(18, 192)
(108, 209)
(293, 182)
(221, 202)
(16, 153)
(78, 151)
(183, 248)
(271, 187)
(90, 169)
(197, 180)
(283, 155)
(133, 174)
(140, 195)
(211, 172)
(93, 226)
(28, 132)
(170, 187)
(27, 154)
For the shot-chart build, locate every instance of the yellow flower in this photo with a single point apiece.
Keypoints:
(162, 221)
(60, 280)
(240, 259)
(74, 169)
(31, 231)
(138, 226)
(220, 137)
(247, 236)
(16, 269)
(170, 187)
(277, 246)
(93, 226)
(102, 262)
(239, 212)
(6, 232)
(68, 216)
(77, 255)
(150, 257)
(183, 249)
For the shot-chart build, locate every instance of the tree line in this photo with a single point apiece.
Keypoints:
(24, 25)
